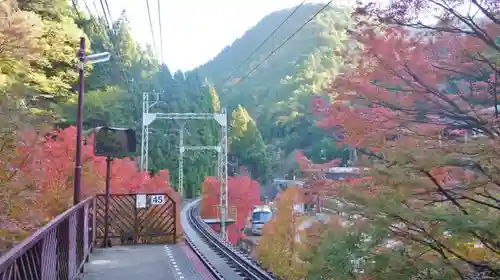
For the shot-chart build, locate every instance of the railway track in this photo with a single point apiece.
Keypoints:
(234, 259)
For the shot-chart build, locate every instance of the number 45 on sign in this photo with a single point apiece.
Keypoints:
(157, 199)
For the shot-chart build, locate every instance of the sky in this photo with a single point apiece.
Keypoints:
(194, 31)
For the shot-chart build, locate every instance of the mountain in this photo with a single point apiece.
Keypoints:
(114, 95)
(278, 92)
(273, 115)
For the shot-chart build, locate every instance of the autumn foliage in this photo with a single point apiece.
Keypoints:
(315, 174)
(278, 249)
(422, 101)
(306, 164)
(243, 193)
(37, 180)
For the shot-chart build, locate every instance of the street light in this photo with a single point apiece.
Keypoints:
(83, 59)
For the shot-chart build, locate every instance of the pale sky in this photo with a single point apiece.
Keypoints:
(195, 31)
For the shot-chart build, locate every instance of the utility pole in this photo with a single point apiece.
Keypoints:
(83, 59)
(79, 123)
(292, 240)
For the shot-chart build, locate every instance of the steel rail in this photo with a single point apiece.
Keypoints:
(235, 259)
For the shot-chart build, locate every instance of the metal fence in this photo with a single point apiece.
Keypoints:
(56, 251)
(59, 250)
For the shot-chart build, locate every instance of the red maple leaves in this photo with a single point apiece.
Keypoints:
(410, 101)
(398, 70)
(243, 193)
(39, 180)
(51, 160)
(306, 164)
(408, 89)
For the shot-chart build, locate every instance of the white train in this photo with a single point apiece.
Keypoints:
(260, 215)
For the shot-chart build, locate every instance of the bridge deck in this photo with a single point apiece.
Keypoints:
(151, 262)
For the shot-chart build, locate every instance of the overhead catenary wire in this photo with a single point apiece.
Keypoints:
(161, 33)
(263, 42)
(151, 27)
(283, 43)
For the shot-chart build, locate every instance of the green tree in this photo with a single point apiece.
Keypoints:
(53, 74)
(247, 145)
(114, 97)
(277, 94)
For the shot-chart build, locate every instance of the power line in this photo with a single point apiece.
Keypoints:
(123, 73)
(95, 7)
(94, 2)
(110, 33)
(284, 42)
(90, 15)
(151, 27)
(109, 13)
(161, 35)
(75, 6)
(110, 26)
(263, 42)
(96, 22)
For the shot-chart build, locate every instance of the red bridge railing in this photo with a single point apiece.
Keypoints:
(57, 251)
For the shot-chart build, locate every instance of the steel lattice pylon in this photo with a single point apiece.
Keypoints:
(220, 118)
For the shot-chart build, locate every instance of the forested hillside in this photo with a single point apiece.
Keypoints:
(114, 97)
(41, 77)
(419, 103)
(273, 118)
(425, 116)
(277, 94)
(38, 78)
